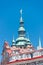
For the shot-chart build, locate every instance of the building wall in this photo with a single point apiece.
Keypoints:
(37, 61)
(33, 63)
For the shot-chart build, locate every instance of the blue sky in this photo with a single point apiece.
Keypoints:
(9, 20)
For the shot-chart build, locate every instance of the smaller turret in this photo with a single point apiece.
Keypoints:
(13, 42)
(39, 46)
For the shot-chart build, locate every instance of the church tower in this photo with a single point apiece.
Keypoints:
(22, 40)
(21, 30)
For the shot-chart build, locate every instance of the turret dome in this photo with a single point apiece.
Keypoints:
(21, 29)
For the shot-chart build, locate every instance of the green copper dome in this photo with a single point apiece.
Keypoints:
(21, 43)
(22, 40)
(21, 29)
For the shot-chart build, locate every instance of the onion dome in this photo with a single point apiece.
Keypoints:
(20, 38)
(23, 41)
(20, 41)
(21, 29)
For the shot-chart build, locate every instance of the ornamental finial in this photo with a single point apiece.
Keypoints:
(39, 42)
(21, 20)
(13, 40)
(21, 12)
